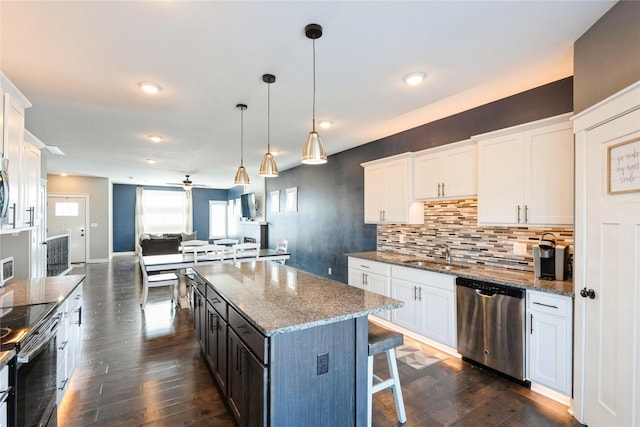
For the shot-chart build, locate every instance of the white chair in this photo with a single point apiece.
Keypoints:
(241, 247)
(157, 280)
(384, 340)
(281, 247)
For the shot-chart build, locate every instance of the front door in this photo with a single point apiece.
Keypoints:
(67, 215)
(611, 315)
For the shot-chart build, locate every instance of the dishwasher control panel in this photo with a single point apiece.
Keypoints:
(488, 288)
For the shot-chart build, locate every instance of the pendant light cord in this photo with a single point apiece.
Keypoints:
(313, 120)
(241, 136)
(269, 118)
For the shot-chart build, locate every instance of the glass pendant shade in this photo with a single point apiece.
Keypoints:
(313, 153)
(268, 167)
(241, 176)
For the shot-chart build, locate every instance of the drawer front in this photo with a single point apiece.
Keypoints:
(217, 302)
(249, 335)
(427, 278)
(543, 302)
(369, 266)
(75, 299)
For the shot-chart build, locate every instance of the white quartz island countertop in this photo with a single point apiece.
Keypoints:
(278, 299)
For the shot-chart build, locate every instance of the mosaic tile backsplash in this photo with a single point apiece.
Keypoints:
(454, 222)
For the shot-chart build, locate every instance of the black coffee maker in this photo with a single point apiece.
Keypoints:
(550, 260)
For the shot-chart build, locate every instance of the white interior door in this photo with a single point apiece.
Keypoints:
(67, 215)
(611, 320)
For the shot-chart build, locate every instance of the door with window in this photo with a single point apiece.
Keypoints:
(67, 215)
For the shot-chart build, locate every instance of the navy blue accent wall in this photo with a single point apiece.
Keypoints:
(200, 200)
(124, 223)
(124, 210)
(330, 218)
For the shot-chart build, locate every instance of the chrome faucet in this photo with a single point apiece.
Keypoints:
(447, 253)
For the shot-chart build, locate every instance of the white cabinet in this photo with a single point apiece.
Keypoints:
(429, 303)
(388, 192)
(68, 340)
(371, 276)
(549, 340)
(447, 172)
(13, 148)
(525, 174)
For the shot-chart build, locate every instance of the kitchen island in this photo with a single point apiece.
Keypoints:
(286, 347)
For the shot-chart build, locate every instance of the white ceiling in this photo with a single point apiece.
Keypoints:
(80, 62)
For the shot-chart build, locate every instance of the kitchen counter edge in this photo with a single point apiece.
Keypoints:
(503, 276)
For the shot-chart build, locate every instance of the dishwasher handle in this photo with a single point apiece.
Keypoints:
(485, 294)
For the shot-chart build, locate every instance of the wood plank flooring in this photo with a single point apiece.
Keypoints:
(144, 368)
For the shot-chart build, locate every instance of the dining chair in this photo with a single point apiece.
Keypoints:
(241, 247)
(157, 280)
(281, 247)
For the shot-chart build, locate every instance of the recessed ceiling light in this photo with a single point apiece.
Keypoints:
(414, 78)
(325, 124)
(155, 138)
(150, 161)
(149, 87)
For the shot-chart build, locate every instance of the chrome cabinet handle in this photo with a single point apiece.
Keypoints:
(518, 213)
(531, 324)
(438, 189)
(545, 305)
(526, 208)
(64, 384)
(443, 189)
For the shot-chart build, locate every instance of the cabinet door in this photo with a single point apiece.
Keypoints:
(356, 278)
(373, 199)
(14, 133)
(438, 317)
(459, 173)
(30, 183)
(500, 180)
(378, 284)
(548, 352)
(256, 390)
(407, 315)
(235, 383)
(396, 187)
(427, 181)
(217, 348)
(549, 175)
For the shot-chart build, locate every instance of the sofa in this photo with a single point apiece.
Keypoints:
(164, 243)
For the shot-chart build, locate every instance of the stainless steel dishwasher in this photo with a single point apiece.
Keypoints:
(491, 325)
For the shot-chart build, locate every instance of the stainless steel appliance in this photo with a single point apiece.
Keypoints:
(491, 325)
(31, 331)
(550, 260)
(4, 189)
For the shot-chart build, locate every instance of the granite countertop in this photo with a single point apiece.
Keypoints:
(38, 291)
(503, 276)
(5, 357)
(278, 299)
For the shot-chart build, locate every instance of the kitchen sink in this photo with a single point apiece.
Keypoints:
(435, 264)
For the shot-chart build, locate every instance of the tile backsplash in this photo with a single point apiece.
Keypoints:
(454, 222)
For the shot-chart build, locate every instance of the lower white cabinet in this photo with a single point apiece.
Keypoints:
(429, 303)
(68, 340)
(549, 340)
(371, 276)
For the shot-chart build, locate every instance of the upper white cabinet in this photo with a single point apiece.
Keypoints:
(525, 174)
(447, 172)
(23, 152)
(388, 192)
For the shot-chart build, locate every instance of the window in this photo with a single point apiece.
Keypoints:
(217, 219)
(66, 209)
(163, 211)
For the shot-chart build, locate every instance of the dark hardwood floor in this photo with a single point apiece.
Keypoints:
(144, 368)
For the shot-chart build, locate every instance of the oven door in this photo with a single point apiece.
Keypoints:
(36, 390)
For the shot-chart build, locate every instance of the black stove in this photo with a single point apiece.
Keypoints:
(17, 322)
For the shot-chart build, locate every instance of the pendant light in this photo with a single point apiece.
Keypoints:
(241, 175)
(268, 167)
(313, 153)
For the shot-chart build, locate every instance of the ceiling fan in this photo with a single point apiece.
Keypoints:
(187, 184)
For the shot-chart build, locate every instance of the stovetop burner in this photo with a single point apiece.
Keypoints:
(17, 322)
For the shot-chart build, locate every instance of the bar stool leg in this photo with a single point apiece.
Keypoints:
(369, 391)
(397, 391)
